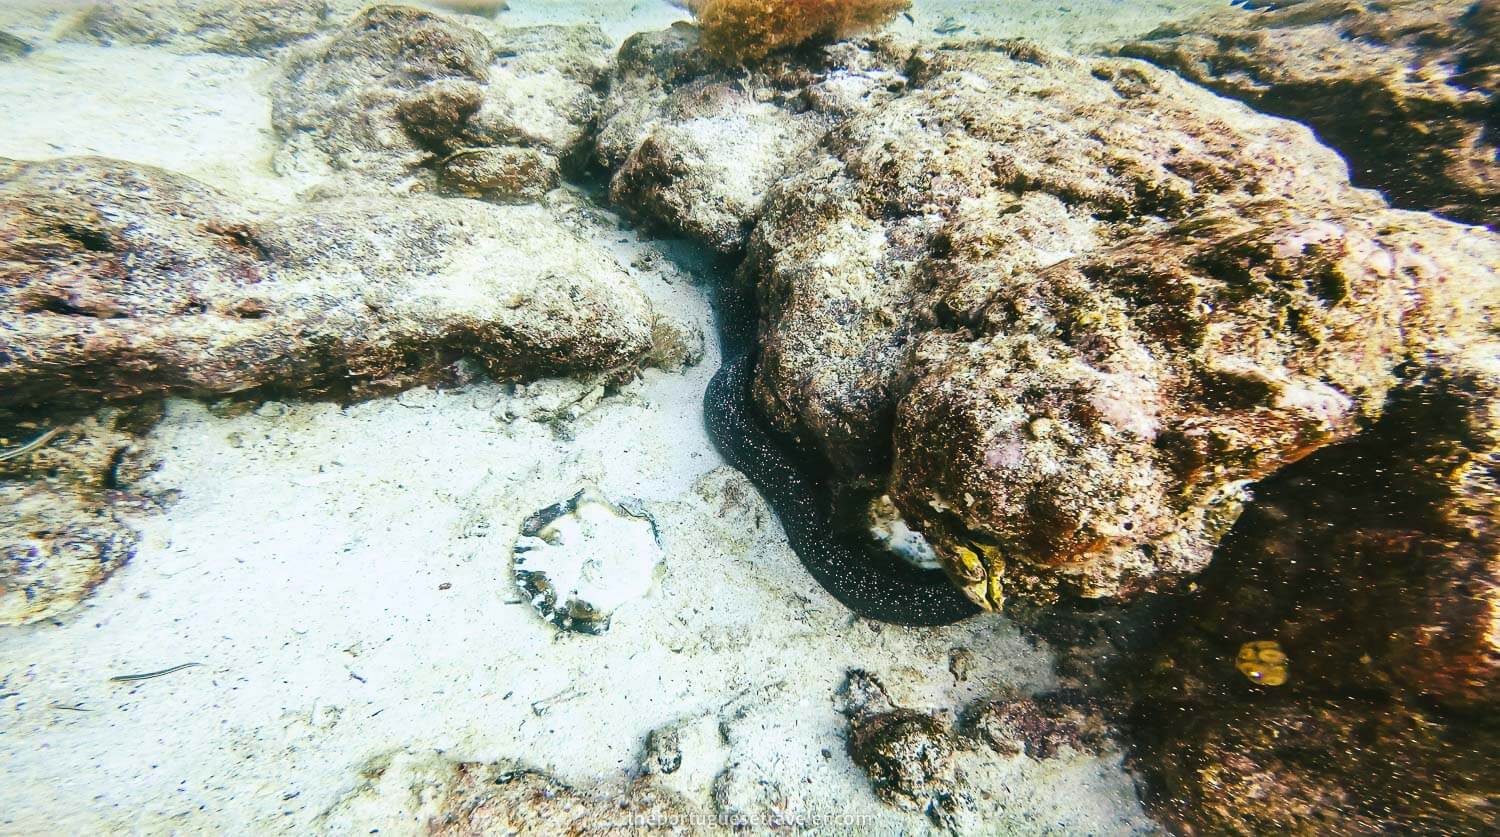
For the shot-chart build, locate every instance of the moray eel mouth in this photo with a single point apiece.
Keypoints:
(868, 580)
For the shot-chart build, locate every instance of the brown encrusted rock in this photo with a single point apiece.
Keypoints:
(1407, 90)
(405, 791)
(227, 26)
(1041, 726)
(64, 509)
(122, 280)
(694, 146)
(1079, 306)
(908, 755)
(504, 174)
(1098, 421)
(379, 102)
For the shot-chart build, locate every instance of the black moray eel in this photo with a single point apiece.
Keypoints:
(868, 580)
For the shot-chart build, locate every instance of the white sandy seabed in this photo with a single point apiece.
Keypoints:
(343, 575)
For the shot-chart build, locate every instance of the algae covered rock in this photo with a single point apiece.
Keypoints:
(1063, 312)
(124, 280)
(1407, 90)
(908, 755)
(378, 103)
(737, 30)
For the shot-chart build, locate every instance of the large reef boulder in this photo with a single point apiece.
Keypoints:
(1407, 89)
(386, 101)
(226, 26)
(1064, 312)
(694, 146)
(121, 280)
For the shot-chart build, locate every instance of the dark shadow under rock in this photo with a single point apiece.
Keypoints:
(123, 280)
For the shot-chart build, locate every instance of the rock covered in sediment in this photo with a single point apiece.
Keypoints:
(695, 145)
(227, 26)
(1407, 90)
(908, 755)
(123, 280)
(1063, 311)
(582, 559)
(380, 102)
(65, 509)
(1067, 309)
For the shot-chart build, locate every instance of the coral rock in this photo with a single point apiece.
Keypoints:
(377, 103)
(1407, 90)
(694, 148)
(65, 509)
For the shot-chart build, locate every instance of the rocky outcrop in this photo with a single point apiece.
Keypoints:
(694, 146)
(401, 99)
(122, 281)
(226, 26)
(1407, 90)
(1062, 311)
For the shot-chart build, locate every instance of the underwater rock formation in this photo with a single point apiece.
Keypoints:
(124, 280)
(1407, 90)
(487, 799)
(402, 789)
(1373, 569)
(381, 102)
(64, 506)
(1065, 311)
(227, 26)
(694, 147)
(582, 559)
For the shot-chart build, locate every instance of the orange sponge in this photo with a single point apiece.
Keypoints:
(744, 30)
